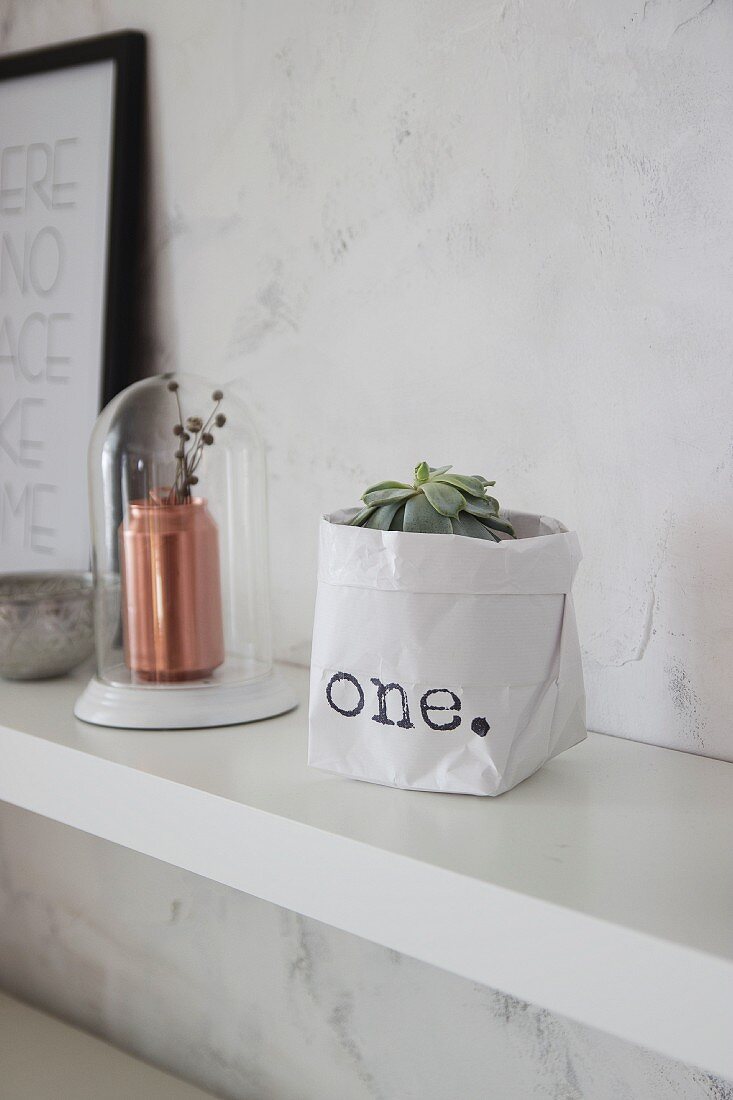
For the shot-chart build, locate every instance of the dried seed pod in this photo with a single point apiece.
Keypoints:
(197, 428)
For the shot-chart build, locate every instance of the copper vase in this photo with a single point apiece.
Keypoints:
(171, 591)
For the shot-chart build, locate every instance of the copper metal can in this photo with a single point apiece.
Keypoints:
(171, 591)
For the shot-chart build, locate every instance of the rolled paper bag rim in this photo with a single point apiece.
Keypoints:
(545, 559)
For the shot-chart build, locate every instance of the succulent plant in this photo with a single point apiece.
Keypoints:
(438, 503)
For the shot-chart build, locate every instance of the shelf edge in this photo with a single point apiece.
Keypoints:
(648, 991)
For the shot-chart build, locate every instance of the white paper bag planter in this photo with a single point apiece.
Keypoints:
(445, 663)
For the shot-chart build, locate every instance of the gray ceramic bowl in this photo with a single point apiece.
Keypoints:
(46, 623)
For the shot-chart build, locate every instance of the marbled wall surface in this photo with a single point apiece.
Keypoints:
(257, 1003)
(489, 232)
(492, 232)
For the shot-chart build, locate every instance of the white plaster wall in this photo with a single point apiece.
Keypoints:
(491, 232)
(257, 1003)
(497, 233)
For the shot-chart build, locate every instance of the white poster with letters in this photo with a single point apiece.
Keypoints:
(55, 166)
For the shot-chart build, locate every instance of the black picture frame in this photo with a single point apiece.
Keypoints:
(127, 50)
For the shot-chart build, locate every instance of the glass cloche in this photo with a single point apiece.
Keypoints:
(178, 503)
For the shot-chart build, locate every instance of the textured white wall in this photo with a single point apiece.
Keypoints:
(496, 233)
(491, 232)
(257, 1003)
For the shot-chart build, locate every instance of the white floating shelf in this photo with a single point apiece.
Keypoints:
(601, 888)
(43, 1058)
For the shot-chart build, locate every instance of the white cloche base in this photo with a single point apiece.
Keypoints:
(128, 706)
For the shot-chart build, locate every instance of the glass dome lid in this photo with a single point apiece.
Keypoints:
(178, 502)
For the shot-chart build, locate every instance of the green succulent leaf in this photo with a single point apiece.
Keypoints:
(385, 485)
(439, 502)
(361, 517)
(398, 520)
(499, 524)
(421, 516)
(387, 496)
(465, 524)
(444, 498)
(470, 485)
(482, 507)
(381, 518)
